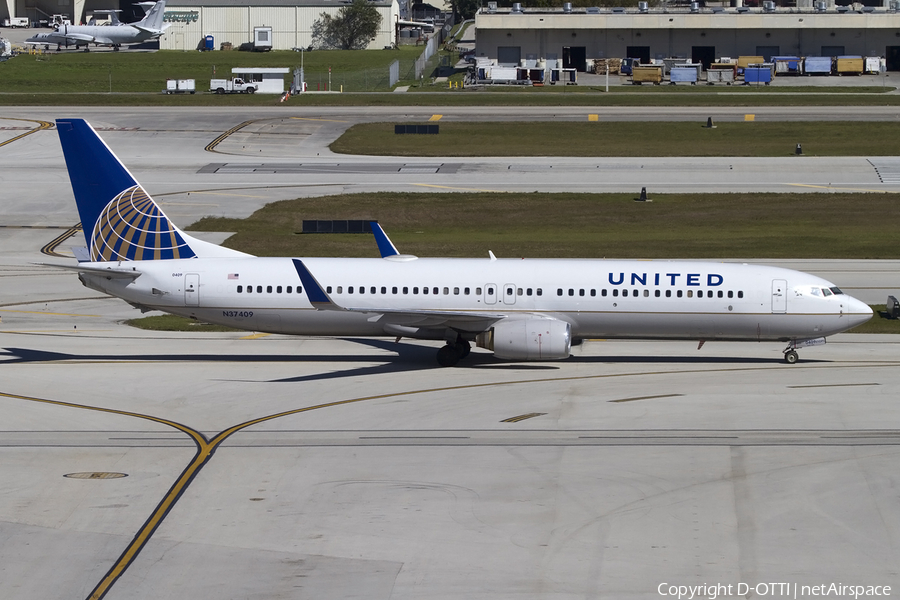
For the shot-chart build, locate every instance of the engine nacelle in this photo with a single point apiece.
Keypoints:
(528, 339)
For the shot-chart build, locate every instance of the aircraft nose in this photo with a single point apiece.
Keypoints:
(857, 311)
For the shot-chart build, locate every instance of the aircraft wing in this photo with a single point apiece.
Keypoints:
(46, 39)
(81, 37)
(418, 318)
(432, 319)
(109, 272)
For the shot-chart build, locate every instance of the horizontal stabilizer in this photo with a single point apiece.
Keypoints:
(109, 272)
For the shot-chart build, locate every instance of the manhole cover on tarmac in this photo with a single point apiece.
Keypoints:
(95, 475)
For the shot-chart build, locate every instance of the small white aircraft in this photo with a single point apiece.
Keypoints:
(522, 309)
(149, 28)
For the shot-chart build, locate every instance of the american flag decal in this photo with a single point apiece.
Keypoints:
(233, 276)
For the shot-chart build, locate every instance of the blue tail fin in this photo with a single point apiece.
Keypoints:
(120, 220)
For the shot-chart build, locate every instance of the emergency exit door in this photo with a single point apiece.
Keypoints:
(509, 293)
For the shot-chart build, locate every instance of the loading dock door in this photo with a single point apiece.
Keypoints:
(767, 52)
(575, 57)
(509, 55)
(892, 58)
(640, 52)
(703, 54)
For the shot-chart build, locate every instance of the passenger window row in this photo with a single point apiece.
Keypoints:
(424, 290)
(656, 293)
(269, 289)
(466, 291)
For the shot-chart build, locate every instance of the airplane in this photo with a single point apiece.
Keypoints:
(113, 15)
(521, 309)
(149, 28)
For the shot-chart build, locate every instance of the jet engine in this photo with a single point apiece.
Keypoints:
(528, 339)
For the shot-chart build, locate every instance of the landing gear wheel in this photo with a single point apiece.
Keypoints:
(790, 357)
(463, 347)
(448, 355)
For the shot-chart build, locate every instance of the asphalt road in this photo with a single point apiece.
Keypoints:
(151, 465)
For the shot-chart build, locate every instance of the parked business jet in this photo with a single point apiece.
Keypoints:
(522, 309)
(149, 28)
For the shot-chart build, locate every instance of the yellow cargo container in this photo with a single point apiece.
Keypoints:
(852, 66)
(745, 61)
(649, 73)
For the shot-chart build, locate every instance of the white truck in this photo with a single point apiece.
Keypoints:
(16, 22)
(232, 86)
(180, 86)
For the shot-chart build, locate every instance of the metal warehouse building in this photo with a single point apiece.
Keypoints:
(233, 21)
(702, 35)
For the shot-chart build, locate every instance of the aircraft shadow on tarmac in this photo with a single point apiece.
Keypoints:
(403, 358)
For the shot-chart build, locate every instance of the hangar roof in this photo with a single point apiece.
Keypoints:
(606, 18)
(174, 4)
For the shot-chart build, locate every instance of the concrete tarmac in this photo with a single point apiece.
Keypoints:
(261, 466)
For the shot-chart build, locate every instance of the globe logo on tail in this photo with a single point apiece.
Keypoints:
(132, 227)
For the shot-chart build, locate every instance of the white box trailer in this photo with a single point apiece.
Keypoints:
(503, 74)
(181, 86)
(16, 22)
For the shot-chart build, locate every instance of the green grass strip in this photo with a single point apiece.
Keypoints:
(838, 225)
(623, 139)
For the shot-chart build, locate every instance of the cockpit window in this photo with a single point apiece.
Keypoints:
(815, 291)
(826, 292)
(836, 290)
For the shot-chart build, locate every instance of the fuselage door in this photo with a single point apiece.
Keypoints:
(509, 293)
(192, 289)
(779, 296)
(490, 293)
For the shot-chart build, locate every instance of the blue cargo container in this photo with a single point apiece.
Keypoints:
(758, 75)
(818, 65)
(683, 75)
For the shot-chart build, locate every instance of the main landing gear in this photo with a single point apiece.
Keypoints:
(450, 354)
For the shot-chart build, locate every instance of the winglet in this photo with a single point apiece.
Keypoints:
(385, 246)
(317, 296)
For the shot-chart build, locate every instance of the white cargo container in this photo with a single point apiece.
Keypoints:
(262, 39)
(873, 65)
(16, 22)
(180, 86)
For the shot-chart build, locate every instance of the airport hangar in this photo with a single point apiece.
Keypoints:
(233, 21)
(226, 20)
(576, 35)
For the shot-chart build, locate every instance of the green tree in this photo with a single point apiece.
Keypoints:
(465, 9)
(352, 28)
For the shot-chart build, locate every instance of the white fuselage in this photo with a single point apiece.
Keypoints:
(83, 35)
(598, 298)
